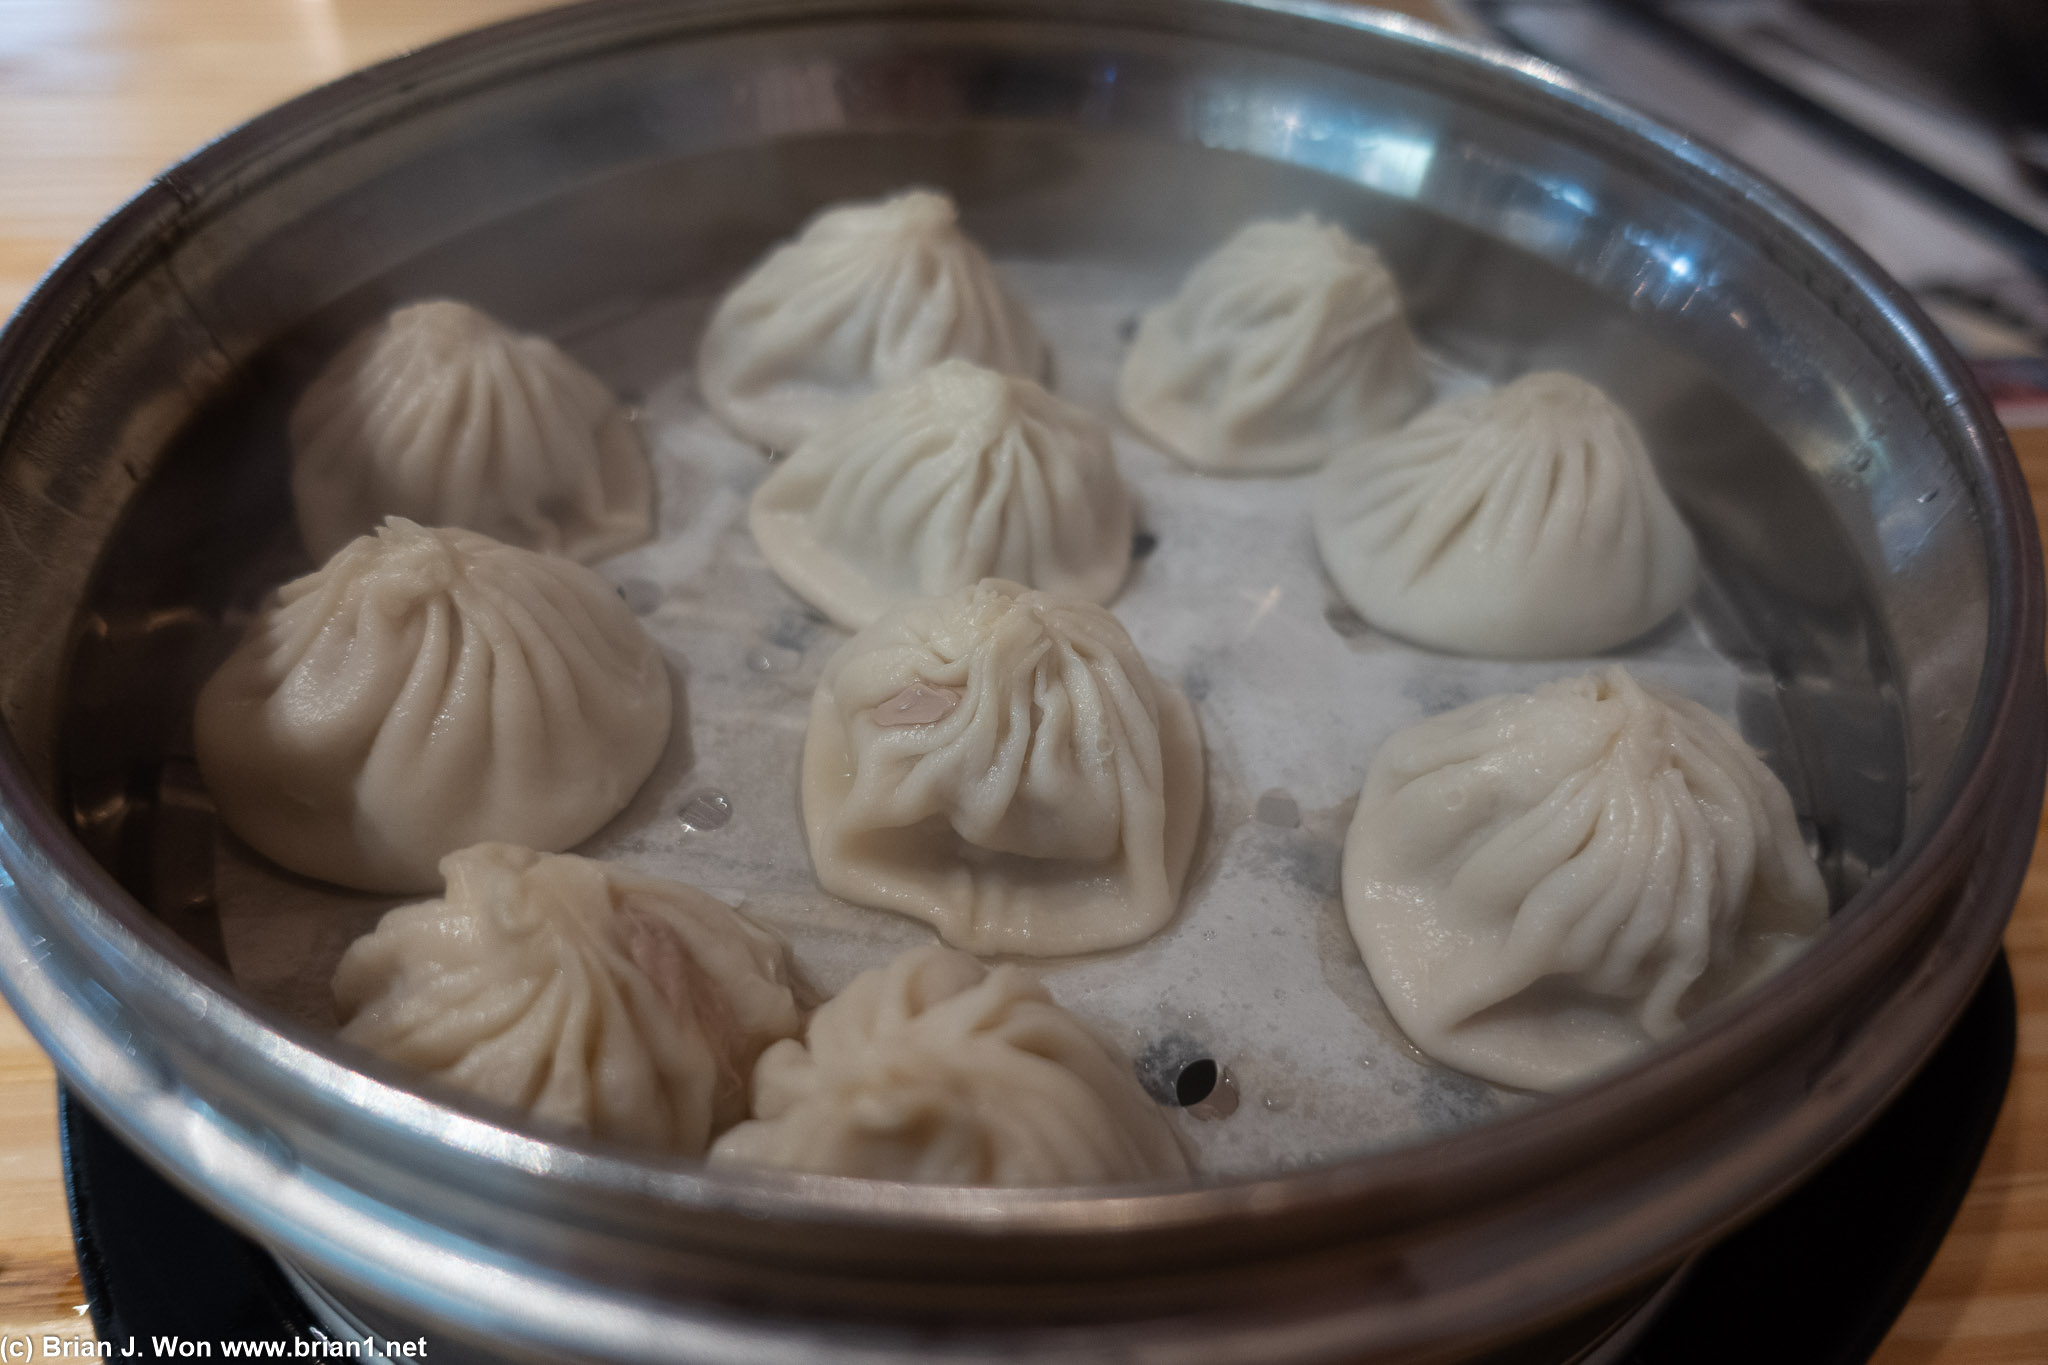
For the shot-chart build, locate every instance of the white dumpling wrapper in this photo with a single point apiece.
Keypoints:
(936, 1069)
(425, 690)
(1528, 521)
(867, 295)
(1282, 345)
(958, 474)
(1001, 763)
(442, 415)
(592, 997)
(1544, 884)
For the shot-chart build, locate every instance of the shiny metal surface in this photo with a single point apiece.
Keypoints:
(1869, 542)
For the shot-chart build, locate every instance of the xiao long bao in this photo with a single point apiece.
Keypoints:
(956, 475)
(1001, 763)
(1543, 884)
(939, 1070)
(1523, 522)
(426, 690)
(866, 296)
(442, 415)
(585, 994)
(1287, 342)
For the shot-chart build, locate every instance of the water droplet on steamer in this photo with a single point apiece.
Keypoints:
(706, 811)
(772, 659)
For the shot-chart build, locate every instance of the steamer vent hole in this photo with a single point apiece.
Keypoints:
(1182, 1072)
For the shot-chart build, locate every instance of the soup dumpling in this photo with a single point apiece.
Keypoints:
(958, 474)
(867, 295)
(940, 1070)
(588, 995)
(1527, 521)
(442, 415)
(1286, 343)
(1001, 763)
(425, 690)
(1544, 884)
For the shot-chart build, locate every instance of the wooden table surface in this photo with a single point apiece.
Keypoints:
(96, 95)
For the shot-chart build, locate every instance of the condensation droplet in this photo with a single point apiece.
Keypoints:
(1930, 495)
(706, 811)
(772, 659)
(1862, 461)
(1277, 1102)
(1279, 809)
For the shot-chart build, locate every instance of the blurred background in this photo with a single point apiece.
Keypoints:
(1918, 126)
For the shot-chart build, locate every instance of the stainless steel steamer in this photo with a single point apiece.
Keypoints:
(1870, 543)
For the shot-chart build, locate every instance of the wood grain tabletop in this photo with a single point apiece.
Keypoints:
(97, 95)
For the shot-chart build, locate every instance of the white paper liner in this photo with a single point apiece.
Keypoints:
(1258, 971)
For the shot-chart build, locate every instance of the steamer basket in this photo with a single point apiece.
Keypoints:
(1869, 542)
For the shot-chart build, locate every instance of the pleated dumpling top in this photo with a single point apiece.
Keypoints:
(442, 415)
(867, 295)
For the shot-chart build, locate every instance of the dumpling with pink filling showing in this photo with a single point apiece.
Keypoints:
(1002, 763)
(591, 997)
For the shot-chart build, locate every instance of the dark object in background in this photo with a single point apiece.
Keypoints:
(2018, 34)
(1990, 56)
(1934, 52)
(2017, 31)
(1822, 1277)
(1975, 53)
